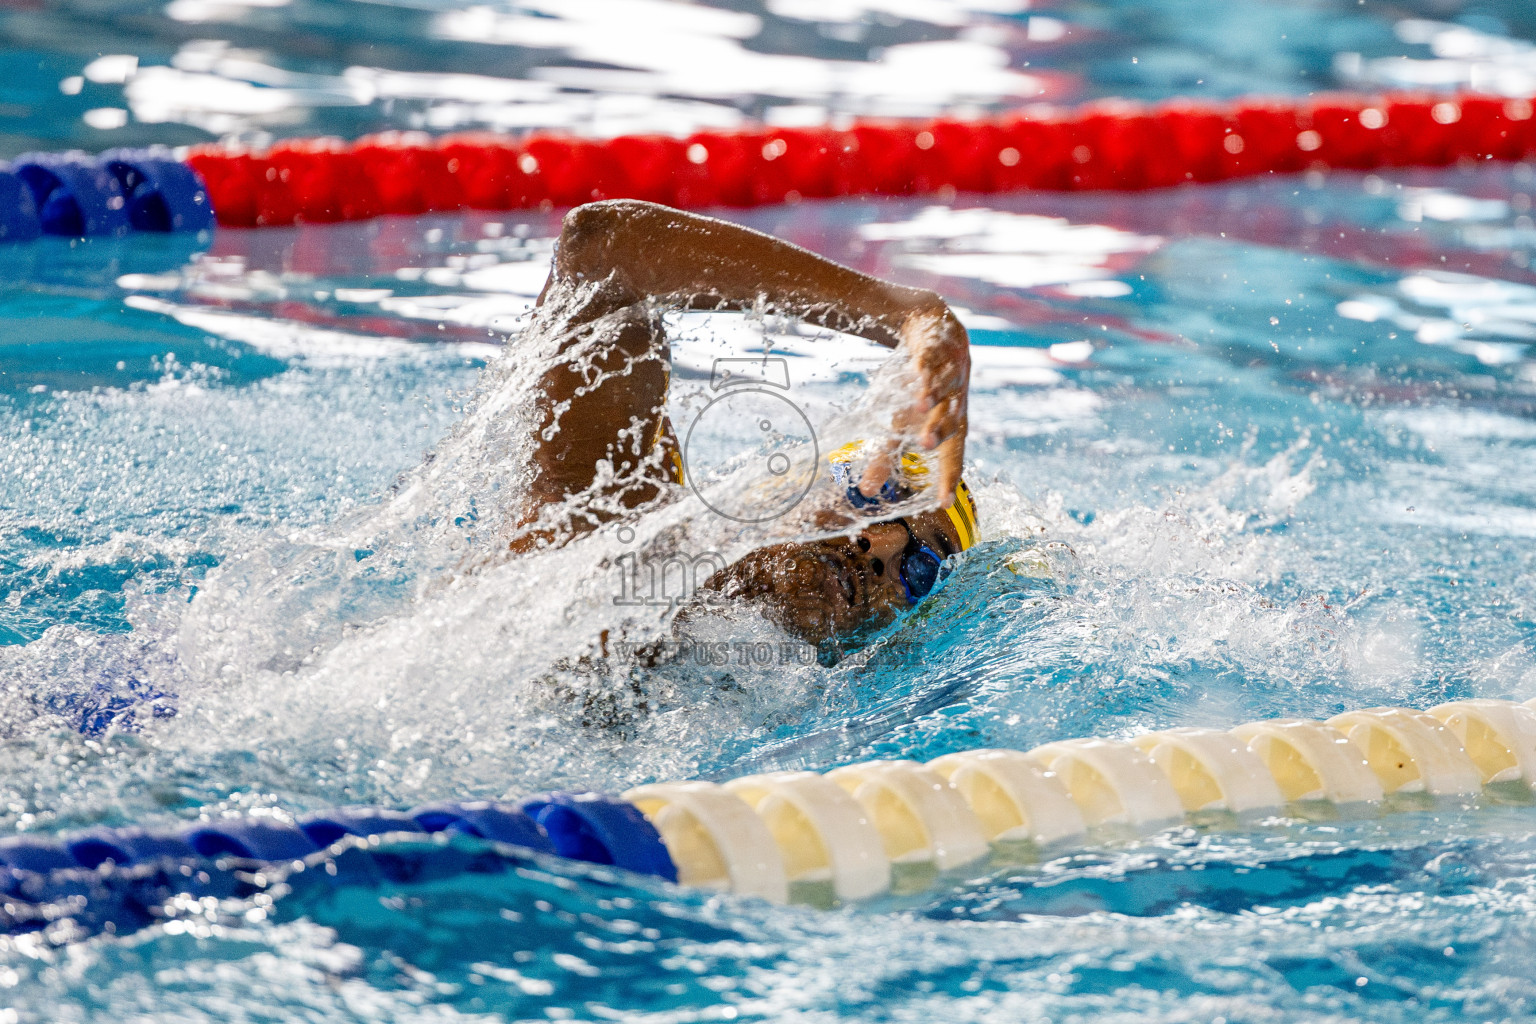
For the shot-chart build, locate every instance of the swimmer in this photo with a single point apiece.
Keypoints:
(605, 449)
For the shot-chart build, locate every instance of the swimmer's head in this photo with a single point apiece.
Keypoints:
(908, 478)
(843, 585)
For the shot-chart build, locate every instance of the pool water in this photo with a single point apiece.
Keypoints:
(1260, 449)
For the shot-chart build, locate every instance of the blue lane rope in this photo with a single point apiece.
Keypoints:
(18, 210)
(593, 828)
(162, 193)
(75, 195)
(75, 198)
(116, 879)
(486, 821)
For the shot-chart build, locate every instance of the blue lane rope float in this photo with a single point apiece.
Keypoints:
(18, 211)
(601, 830)
(162, 193)
(75, 195)
(128, 845)
(846, 833)
(485, 820)
(325, 829)
(251, 839)
(35, 856)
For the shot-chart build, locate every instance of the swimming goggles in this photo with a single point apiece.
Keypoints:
(921, 568)
(961, 511)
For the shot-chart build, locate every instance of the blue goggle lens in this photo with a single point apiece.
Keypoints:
(920, 572)
(921, 566)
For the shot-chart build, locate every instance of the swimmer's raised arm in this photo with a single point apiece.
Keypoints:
(694, 262)
(649, 253)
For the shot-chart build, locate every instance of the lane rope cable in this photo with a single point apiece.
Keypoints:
(798, 836)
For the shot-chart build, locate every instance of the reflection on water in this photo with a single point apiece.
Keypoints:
(111, 73)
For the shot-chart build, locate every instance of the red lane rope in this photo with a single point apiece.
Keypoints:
(1109, 145)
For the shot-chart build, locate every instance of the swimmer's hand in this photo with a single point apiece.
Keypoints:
(938, 367)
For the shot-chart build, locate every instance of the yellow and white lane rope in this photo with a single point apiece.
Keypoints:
(846, 829)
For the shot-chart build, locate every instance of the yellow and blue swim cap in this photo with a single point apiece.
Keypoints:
(961, 512)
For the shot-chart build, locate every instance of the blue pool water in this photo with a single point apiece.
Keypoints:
(1262, 449)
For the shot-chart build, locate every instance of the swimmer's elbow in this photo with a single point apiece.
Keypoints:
(608, 212)
(592, 236)
(583, 223)
(585, 235)
(930, 305)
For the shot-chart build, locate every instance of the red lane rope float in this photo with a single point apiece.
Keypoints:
(1108, 145)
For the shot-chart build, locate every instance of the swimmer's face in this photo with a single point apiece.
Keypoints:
(834, 587)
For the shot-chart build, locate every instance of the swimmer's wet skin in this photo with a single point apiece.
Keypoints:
(617, 265)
